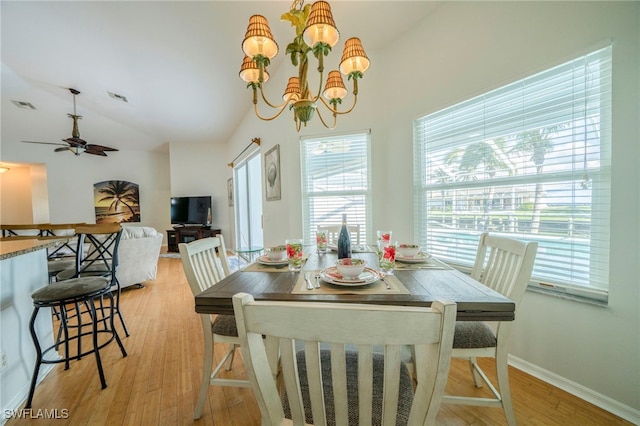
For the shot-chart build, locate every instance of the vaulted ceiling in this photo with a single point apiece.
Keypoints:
(175, 62)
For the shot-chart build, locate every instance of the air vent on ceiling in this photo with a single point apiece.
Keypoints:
(118, 97)
(23, 105)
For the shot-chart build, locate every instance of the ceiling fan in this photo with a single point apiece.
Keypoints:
(74, 143)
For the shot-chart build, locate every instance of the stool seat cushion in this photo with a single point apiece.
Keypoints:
(71, 289)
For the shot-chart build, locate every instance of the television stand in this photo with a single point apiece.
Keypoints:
(188, 233)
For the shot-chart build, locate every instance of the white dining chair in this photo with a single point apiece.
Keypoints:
(205, 263)
(330, 372)
(504, 265)
(333, 232)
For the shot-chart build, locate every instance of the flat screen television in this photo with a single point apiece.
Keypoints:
(191, 210)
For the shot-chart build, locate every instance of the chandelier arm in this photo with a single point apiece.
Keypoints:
(335, 111)
(266, 101)
(335, 119)
(319, 88)
(255, 107)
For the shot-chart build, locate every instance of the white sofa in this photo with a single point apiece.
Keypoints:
(138, 255)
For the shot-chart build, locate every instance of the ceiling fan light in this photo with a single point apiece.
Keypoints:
(334, 88)
(77, 150)
(250, 72)
(353, 57)
(258, 39)
(320, 26)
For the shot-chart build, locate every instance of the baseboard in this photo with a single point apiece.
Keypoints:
(628, 413)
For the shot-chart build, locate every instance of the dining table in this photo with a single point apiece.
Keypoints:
(413, 283)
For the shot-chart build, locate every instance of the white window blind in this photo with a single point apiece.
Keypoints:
(335, 180)
(530, 160)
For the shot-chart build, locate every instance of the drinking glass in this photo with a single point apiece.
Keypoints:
(384, 238)
(294, 254)
(321, 241)
(387, 257)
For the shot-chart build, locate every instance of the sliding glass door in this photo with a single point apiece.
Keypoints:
(248, 202)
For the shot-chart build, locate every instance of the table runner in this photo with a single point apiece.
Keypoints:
(432, 263)
(259, 267)
(377, 287)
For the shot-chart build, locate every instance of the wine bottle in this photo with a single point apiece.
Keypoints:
(344, 241)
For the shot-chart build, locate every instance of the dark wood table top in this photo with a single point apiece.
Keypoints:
(475, 301)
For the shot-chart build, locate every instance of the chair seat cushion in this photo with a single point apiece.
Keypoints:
(405, 396)
(75, 288)
(225, 325)
(473, 334)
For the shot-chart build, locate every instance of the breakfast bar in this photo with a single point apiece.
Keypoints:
(23, 269)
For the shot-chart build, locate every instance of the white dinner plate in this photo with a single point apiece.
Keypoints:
(421, 257)
(332, 276)
(264, 260)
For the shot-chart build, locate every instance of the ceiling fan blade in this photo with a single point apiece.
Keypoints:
(95, 152)
(66, 148)
(99, 148)
(75, 141)
(44, 143)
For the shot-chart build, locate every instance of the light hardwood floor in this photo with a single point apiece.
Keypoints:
(157, 384)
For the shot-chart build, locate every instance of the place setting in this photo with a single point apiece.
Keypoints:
(410, 257)
(349, 276)
(281, 258)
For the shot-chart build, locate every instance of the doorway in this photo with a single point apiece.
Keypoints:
(248, 201)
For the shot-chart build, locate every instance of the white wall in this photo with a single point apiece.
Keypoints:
(70, 180)
(15, 188)
(461, 51)
(201, 169)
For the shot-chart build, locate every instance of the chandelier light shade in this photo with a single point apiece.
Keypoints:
(258, 39)
(334, 89)
(353, 57)
(321, 27)
(316, 35)
(250, 72)
(292, 90)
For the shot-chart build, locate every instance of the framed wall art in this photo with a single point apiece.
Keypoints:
(272, 173)
(230, 191)
(116, 201)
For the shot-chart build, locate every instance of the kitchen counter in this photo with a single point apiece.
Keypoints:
(23, 269)
(16, 246)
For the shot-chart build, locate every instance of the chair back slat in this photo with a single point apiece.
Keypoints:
(333, 232)
(504, 264)
(309, 331)
(205, 262)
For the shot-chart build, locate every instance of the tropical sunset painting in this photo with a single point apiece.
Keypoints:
(116, 201)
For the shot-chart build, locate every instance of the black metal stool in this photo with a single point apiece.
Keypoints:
(73, 292)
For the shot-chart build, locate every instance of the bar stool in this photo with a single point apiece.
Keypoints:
(74, 291)
(97, 255)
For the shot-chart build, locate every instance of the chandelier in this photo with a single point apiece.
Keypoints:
(316, 33)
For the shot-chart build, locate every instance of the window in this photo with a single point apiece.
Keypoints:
(336, 180)
(248, 202)
(529, 160)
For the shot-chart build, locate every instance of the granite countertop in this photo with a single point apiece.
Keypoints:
(12, 248)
